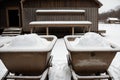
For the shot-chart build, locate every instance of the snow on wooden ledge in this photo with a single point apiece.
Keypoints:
(60, 11)
(59, 22)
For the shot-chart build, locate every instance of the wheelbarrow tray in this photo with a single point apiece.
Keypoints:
(88, 61)
(31, 61)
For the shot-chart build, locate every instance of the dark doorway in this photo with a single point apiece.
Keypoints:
(13, 18)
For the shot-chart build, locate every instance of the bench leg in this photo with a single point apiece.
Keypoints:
(72, 30)
(88, 28)
(47, 31)
(31, 30)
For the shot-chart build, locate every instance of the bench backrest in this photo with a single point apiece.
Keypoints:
(60, 15)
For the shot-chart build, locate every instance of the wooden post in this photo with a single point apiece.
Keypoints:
(47, 30)
(84, 28)
(22, 16)
(31, 30)
(21, 2)
(89, 28)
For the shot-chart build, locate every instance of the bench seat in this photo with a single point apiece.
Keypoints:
(47, 24)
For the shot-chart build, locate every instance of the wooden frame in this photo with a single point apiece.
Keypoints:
(7, 16)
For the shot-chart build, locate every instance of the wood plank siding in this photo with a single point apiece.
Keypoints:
(59, 3)
(30, 7)
(4, 5)
(91, 14)
(60, 16)
(27, 12)
(2, 18)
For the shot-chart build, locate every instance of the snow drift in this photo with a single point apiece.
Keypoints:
(28, 41)
(91, 40)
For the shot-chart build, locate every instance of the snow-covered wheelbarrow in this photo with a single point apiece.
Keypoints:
(87, 63)
(28, 62)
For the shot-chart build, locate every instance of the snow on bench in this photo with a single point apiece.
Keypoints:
(47, 24)
(60, 11)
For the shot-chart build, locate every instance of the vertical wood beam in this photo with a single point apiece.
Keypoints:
(22, 16)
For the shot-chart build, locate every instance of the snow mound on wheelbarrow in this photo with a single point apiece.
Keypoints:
(29, 40)
(91, 40)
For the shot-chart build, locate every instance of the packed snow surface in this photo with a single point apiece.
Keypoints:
(91, 40)
(5, 40)
(3, 70)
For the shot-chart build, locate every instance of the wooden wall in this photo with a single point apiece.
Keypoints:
(59, 3)
(3, 21)
(30, 6)
(3, 7)
(90, 7)
(60, 17)
(91, 15)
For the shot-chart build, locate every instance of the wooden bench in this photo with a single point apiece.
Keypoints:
(46, 18)
(47, 24)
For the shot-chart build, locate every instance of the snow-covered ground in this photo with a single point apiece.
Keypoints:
(113, 34)
(60, 69)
